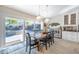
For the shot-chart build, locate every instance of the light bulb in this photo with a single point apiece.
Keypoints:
(38, 17)
(46, 20)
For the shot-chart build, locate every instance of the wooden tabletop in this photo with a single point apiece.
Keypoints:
(43, 34)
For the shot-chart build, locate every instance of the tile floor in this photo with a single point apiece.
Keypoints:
(59, 47)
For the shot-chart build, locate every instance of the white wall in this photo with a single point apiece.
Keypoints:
(60, 18)
(2, 31)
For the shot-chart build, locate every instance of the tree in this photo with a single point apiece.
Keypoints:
(54, 24)
(11, 21)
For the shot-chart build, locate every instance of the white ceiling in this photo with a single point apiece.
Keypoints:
(50, 11)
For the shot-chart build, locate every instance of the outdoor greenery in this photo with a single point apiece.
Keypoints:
(11, 21)
(28, 22)
(54, 24)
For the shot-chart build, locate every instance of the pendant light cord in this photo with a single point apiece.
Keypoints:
(39, 10)
(47, 10)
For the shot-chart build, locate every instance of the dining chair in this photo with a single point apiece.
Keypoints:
(52, 37)
(43, 41)
(49, 38)
(31, 43)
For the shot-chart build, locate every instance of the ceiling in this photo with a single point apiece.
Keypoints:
(47, 11)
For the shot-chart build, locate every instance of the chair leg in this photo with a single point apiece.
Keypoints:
(49, 43)
(30, 50)
(53, 40)
(46, 46)
(26, 49)
(38, 46)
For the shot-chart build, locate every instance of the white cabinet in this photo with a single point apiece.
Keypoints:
(66, 35)
(78, 37)
(71, 36)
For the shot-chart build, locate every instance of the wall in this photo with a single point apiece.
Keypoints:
(5, 11)
(2, 30)
(60, 18)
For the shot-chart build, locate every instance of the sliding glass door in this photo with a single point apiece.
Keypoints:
(14, 30)
(29, 26)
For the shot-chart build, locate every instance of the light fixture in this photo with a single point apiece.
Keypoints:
(46, 19)
(39, 17)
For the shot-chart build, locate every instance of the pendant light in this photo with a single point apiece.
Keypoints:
(46, 19)
(38, 17)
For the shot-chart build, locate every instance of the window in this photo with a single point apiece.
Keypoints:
(14, 30)
(73, 18)
(28, 25)
(66, 20)
(33, 27)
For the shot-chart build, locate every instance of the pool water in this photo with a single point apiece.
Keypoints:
(12, 33)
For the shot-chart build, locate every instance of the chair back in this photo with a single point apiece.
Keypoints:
(28, 37)
(49, 35)
(52, 34)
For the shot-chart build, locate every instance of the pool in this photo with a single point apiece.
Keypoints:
(12, 33)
